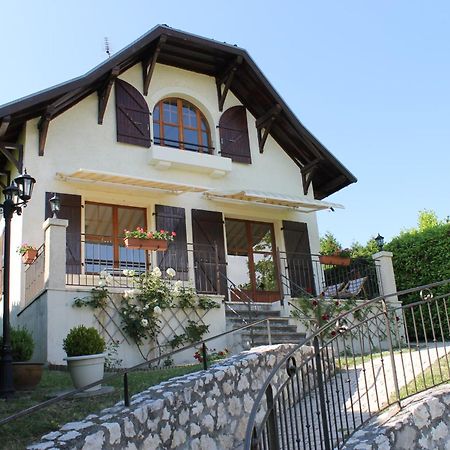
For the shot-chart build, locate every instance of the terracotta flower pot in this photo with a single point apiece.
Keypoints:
(29, 256)
(26, 375)
(159, 245)
(334, 260)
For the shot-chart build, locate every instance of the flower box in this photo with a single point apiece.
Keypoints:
(334, 260)
(29, 256)
(159, 245)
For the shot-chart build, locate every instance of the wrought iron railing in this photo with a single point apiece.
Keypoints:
(361, 362)
(307, 274)
(34, 276)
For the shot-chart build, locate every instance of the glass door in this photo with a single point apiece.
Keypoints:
(251, 259)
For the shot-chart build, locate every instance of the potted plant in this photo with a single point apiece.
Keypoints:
(340, 257)
(85, 356)
(148, 240)
(26, 375)
(28, 253)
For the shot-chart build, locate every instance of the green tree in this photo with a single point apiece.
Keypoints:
(329, 245)
(427, 219)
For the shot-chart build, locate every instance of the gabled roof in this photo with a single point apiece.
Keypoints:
(187, 51)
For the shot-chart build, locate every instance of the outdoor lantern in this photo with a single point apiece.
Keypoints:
(55, 204)
(11, 193)
(25, 183)
(380, 241)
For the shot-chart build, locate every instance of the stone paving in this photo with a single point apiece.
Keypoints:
(353, 396)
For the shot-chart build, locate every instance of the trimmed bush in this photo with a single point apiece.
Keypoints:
(22, 344)
(82, 341)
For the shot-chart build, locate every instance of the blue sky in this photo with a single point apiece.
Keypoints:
(371, 80)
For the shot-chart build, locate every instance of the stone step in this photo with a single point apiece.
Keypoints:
(237, 322)
(242, 306)
(284, 339)
(261, 314)
(274, 328)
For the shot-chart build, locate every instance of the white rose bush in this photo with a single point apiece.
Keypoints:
(142, 306)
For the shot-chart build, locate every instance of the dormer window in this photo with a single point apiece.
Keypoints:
(178, 123)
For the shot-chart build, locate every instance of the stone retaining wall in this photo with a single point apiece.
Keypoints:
(422, 423)
(206, 410)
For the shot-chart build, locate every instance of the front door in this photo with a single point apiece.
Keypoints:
(251, 260)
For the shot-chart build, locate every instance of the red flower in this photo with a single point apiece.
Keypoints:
(325, 317)
(333, 333)
(174, 234)
(162, 231)
(336, 302)
(315, 302)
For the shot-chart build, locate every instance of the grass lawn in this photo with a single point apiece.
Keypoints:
(24, 431)
(438, 373)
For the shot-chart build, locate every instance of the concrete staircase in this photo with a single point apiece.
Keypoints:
(280, 329)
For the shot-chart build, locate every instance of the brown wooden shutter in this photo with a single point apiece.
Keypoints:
(234, 142)
(207, 234)
(132, 115)
(70, 210)
(298, 256)
(170, 218)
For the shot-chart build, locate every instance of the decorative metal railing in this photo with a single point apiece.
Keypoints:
(34, 276)
(307, 274)
(363, 361)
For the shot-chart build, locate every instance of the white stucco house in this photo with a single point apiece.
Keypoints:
(177, 132)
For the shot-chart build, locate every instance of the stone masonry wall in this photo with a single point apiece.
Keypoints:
(206, 410)
(422, 423)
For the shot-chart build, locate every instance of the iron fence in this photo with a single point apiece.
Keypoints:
(363, 361)
(308, 275)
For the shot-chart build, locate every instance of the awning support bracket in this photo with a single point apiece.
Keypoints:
(265, 122)
(226, 79)
(148, 65)
(7, 150)
(103, 93)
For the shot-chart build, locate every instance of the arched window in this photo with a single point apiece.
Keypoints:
(178, 123)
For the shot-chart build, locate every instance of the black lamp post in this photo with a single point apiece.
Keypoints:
(17, 194)
(380, 242)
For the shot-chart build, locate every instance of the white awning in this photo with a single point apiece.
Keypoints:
(271, 199)
(121, 181)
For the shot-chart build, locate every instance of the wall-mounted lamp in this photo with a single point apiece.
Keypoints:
(55, 205)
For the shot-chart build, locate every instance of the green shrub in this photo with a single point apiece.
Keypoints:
(83, 341)
(22, 344)
(420, 258)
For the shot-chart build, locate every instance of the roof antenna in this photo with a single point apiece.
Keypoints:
(107, 49)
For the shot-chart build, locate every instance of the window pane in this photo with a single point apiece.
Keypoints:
(189, 116)
(261, 237)
(190, 139)
(205, 141)
(171, 136)
(204, 126)
(264, 272)
(238, 270)
(98, 220)
(156, 112)
(236, 232)
(156, 132)
(129, 219)
(170, 111)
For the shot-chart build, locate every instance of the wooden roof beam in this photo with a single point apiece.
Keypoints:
(148, 66)
(4, 124)
(7, 149)
(43, 127)
(307, 172)
(226, 79)
(103, 93)
(265, 122)
(323, 190)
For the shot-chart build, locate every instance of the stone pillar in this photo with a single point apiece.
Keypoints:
(385, 274)
(55, 253)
